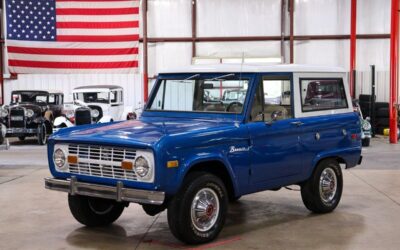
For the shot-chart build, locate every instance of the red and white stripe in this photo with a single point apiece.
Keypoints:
(93, 36)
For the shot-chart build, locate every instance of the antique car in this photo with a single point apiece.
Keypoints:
(192, 157)
(366, 128)
(31, 113)
(95, 104)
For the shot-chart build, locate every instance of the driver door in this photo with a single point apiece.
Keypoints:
(274, 135)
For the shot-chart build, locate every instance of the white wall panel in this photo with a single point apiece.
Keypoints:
(373, 16)
(238, 18)
(322, 17)
(238, 49)
(169, 18)
(376, 51)
(132, 84)
(323, 52)
(163, 56)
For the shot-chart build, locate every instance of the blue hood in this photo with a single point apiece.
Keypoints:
(145, 132)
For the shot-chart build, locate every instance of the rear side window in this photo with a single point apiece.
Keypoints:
(322, 94)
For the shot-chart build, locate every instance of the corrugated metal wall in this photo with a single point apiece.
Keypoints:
(172, 18)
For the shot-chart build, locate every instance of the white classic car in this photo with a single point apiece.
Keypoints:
(95, 104)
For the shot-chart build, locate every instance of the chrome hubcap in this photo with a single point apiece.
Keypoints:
(327, 185)
(205, 209)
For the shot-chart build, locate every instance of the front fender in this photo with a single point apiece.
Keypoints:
(59, 121)
(199, 158)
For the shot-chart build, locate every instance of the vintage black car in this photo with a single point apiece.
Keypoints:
(31, 113)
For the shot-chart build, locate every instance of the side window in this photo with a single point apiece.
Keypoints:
(322, 94)
(272, 100)
(52, 99)
(114, 96)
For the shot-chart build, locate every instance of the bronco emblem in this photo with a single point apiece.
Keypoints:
(234, 149)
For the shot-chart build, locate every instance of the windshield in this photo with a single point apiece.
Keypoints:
(200, 95)
(32, 97)
(93, 97)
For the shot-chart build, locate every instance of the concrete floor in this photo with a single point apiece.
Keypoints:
(368, 216)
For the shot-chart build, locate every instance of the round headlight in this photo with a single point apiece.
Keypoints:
(366, 125)
(59, 158)
(3, 112)
(29, 113)
(94, 113)
(141, 166)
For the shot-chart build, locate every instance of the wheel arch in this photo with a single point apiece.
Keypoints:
(337, 158)
(220, 169)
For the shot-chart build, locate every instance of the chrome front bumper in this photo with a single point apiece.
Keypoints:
(118, 193)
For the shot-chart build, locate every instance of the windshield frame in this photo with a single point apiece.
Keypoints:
(35, 93)
(250, 77)
(76, 93)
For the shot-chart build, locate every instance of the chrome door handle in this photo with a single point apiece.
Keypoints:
(297, 123)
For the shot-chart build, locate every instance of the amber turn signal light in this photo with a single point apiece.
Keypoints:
(172, 164)
(127, 165)
(72, 159)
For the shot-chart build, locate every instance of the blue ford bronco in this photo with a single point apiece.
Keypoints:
(207, 136)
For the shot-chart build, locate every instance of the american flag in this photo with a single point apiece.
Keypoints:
(72, 36)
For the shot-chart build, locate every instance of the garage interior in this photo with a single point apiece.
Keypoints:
(361, 36)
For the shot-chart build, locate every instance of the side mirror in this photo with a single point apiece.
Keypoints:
(275, 115)
(368, 118)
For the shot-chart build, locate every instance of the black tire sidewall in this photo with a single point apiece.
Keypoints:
(83, 213)
(310, 190)
(179, 211)
(41, 134)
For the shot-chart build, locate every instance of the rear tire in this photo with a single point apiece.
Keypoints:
(94, 212)
(197, 213)
(321, 193)
(21, 138)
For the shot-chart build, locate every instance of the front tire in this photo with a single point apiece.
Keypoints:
(321, 193)
(94, 212)
(42, 134)
(197, 213)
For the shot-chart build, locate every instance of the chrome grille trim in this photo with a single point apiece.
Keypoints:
(101, 161)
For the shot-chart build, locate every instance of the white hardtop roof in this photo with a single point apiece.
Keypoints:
(96, 88)
(254, 68)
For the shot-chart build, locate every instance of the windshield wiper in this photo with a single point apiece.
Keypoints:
(221, 77)
(190, 77)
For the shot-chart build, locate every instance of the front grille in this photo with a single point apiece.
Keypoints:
(101, 161)
(17, 118)
(82, 116)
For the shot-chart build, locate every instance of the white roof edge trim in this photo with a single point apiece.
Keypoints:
(255, 68)
(94, 90)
